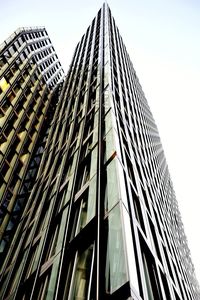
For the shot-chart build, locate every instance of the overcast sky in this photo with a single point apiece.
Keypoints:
(163, 41)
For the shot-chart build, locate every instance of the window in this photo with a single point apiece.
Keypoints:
(16, 88)
(138, 210)
(22, 56)
(155, 238)
(84, 176)
(150, 273)
(16, 44)
(14, 280)
(11, 96)
(5, 105)
(4, 85)
(12, 50)
(8, 75)
(116, 273)
(1, 113)
(42, 288)
(112, 185)
(7, 54)
(5, 169)
(86, 206)
(166, 287)
(52, 245)
(80, 286)
(2, 61)
(20, 41)
(8, 128)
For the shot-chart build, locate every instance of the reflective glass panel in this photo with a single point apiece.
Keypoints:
(112, 185)
(80, 288)
(116, 271)
(87, 206)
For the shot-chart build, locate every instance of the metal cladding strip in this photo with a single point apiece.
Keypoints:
(99, 198)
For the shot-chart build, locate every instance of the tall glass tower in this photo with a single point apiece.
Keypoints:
(101, 220)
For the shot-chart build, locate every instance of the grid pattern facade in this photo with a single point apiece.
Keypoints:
(101, 220)
(29, 71)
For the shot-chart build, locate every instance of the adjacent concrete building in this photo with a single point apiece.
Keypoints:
(30, 70)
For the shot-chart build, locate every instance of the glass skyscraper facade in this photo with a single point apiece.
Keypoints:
(99, 218)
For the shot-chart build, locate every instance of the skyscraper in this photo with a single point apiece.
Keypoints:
(101, 219)
(30, 70)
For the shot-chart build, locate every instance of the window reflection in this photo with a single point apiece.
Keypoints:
(83, 215)
(86, 207)
(112, 185)
(80, 286)
(150, 273)
(4, 85)
(116, 273)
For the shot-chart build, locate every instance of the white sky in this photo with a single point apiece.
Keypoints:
(162, 39)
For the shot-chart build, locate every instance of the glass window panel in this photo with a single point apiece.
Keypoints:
(113, 194)
(4, 85)
(116, 270)
(110, 145)
(84, 174)
(41, 291)
(67, 193)
(53, 279)
(51, 249)
(7, 54)
(150, 273)
(10, 96)
(20, 41)
(8, 75)
(31, 260)
(87, 206)
(108, 121)
(2, 61)
(132, 258)
(16, 275)
(82, 221)
(95, 130)
(93, 167)
(92, 199)
(62, 229)
(80, 285)
(147, 278)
